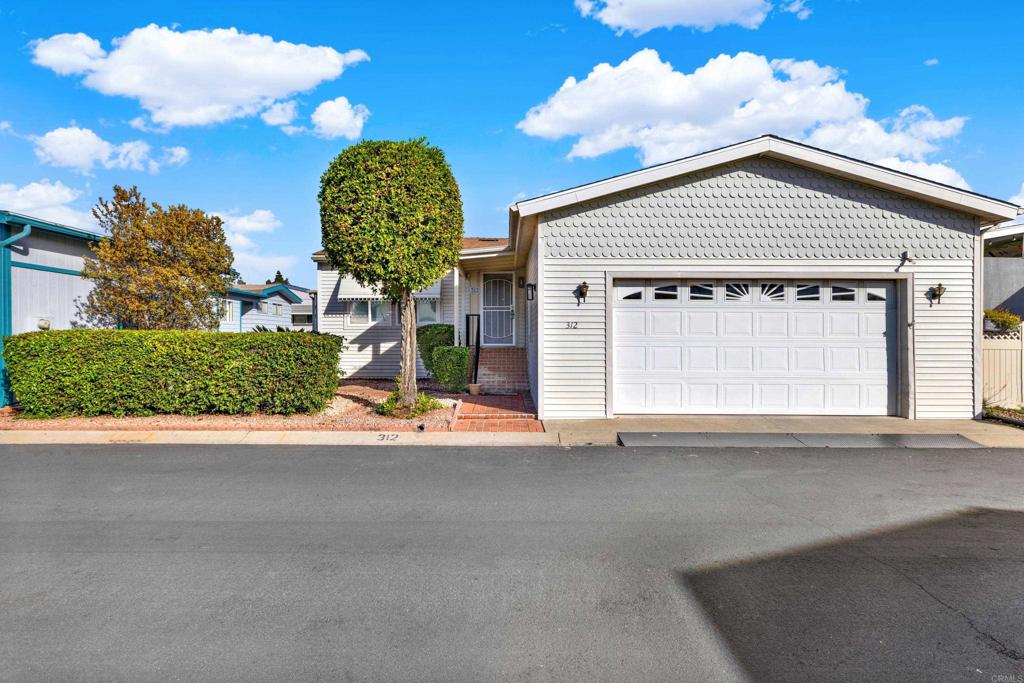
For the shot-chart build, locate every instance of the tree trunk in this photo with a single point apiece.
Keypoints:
(407, 384)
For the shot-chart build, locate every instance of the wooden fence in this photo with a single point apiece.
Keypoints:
(1002, 368)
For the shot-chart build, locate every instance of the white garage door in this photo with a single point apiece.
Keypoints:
(755, 346)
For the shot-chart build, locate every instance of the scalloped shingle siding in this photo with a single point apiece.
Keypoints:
(758, 208)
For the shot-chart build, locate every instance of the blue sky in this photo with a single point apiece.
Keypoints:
(243, 122)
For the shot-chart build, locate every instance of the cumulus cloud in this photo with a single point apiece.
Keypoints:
(82, 150)
(47, 200)
(799, 8)
(280, 113)
(193, 78)
(640, 16)
(1018, 198)
(644, 103)
(338, 119)
(239, 229)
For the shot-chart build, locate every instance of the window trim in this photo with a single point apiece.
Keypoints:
(725, 292)
(797, 284)
(701, 283)
(676, 295)
(437, 311)
(786, 287)
(640, 285)
(847, 284)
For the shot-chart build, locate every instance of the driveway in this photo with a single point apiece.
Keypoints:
(139, 563)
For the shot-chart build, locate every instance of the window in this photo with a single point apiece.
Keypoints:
(227, 310)
(773, 292)
(737, 291)
(366, 312)
(630, 291)
(277, 309)
(300, 319)
(666, 292)
(843, 293)
(807, 292)
(264, 307)
(703, 291)
(426, 310)
(876, 293)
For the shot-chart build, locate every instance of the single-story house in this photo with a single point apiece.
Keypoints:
(766, 277)
(247, 306)
(1004, 267)
(40, 277)
(304, 312)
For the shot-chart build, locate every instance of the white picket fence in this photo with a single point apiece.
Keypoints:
(1002, 368)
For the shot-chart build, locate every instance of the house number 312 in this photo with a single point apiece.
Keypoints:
(571, 325)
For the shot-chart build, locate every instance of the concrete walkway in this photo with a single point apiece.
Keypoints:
(603, 432)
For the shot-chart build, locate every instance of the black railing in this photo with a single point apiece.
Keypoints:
(473, 342)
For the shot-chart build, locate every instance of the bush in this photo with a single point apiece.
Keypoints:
(428, 338)
(451, 367)
(1003, 320)
(390, 406)
(131, 372)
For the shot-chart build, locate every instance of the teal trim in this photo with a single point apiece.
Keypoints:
(283, 289)
(5, 301)
(67, 231)
(47, 269)
(245, 293)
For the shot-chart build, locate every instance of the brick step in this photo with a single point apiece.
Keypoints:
(498, 415)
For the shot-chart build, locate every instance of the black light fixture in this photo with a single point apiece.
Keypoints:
(531, 291)
(581, 292)
(937, 292)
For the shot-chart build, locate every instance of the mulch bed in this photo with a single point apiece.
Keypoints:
(351, 410)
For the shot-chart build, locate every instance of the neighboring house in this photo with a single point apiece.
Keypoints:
(767, 277)
(40, 277)
(249, 306)
(1004, 267)
(304, 312)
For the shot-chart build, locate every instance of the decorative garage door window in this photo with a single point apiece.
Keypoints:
(761, 346)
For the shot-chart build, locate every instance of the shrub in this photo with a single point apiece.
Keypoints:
(428, 338)
(123, 372)
(1004, 321)
(391, 406)
(451, 367)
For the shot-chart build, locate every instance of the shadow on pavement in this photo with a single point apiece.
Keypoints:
(942, 600)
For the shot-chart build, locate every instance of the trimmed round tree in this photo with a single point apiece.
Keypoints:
(391, 218)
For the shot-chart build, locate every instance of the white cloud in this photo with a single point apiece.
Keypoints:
(799, 8)
(931, 62)
(46, 200)
(644, 103)
(338, 119)
(280, 113)
(641, 16)
(199, 77)
(1018, 198)
(249, 261)
(82, 150)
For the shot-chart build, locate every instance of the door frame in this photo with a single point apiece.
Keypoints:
(906, 391)
(512, 280)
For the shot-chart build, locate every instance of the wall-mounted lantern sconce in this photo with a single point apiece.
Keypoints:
(581, 292)
(521, 282)
(43, 323)
(935, 294)
(531, 291)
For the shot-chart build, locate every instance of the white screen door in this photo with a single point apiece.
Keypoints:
(497, 321)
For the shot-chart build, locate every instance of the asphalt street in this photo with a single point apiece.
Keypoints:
(190, 563)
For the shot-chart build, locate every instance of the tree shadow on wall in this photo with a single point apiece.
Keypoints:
(942, 600)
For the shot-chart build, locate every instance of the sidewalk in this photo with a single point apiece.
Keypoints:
(279, 438)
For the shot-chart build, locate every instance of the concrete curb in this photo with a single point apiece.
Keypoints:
(280, 438)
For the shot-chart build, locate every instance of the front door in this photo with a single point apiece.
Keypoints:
(498, 314)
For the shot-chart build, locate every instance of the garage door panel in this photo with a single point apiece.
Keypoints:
(775, 348)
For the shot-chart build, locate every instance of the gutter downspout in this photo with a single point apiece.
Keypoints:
(5, 303)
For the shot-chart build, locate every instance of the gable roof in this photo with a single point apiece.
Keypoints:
(13, 218)
(989, 209)
(264, 291)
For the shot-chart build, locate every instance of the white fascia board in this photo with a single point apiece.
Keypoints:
(997, 231)
(992, 210)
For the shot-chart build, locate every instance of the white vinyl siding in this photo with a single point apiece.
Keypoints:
(372, 350)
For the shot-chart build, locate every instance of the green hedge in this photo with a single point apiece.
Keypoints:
(428, 338)
(122, 372)
(451, 367)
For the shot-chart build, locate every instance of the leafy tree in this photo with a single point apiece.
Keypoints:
(235, 278)
(156, 268)
(278, 279)
(391, 217)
